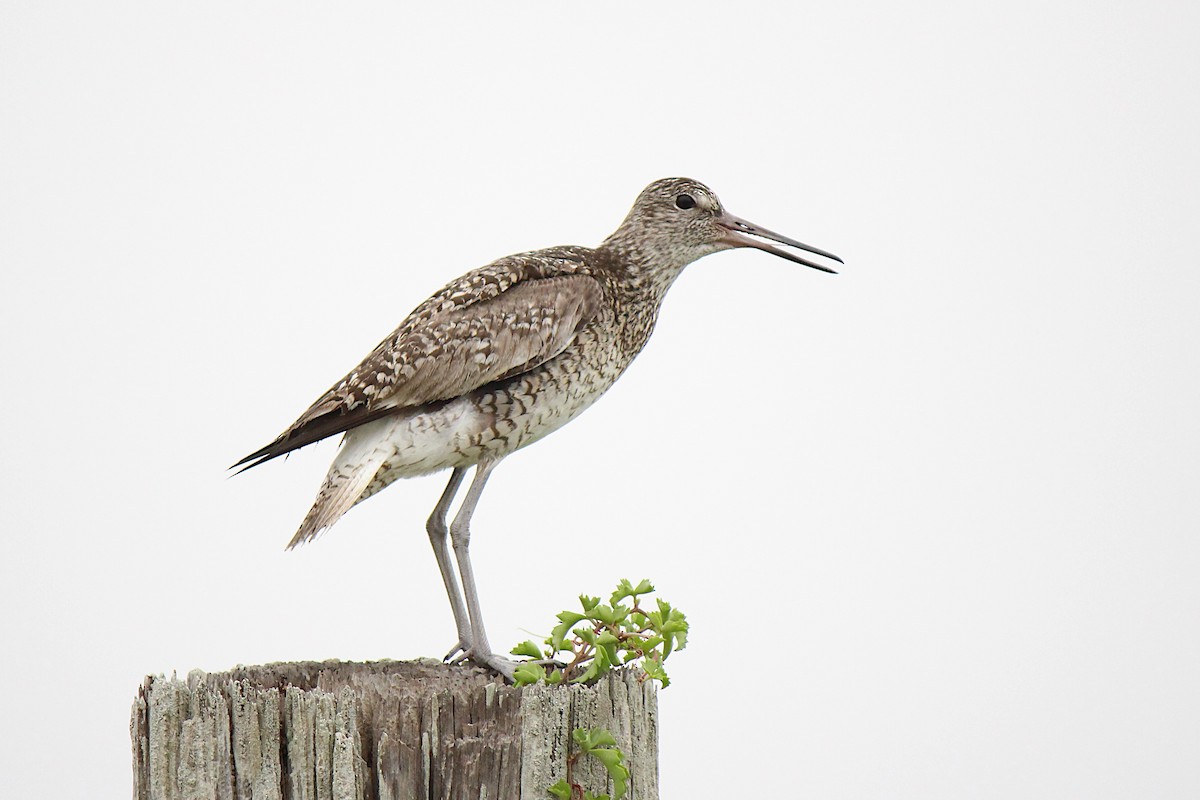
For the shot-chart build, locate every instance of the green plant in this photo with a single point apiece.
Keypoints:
(600, 744)
(605, 636)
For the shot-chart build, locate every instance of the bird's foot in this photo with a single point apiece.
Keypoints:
(496, 663)
(490, 660)
(460, 649)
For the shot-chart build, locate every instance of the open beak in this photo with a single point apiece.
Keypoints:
(741, 231)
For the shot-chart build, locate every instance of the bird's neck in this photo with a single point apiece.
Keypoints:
(646, 271)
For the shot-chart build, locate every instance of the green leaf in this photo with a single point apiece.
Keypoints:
(649, 643)
(604, 656)
(676, 632)
(599, 742)
(609, 757)
(627, 589)
(621, 785)
(654, 669)
(561, 790)
(613, 760)
(528, 673)
(558, 637)
(624, 589)
(588, 603)
(527, 648)
(607, 642)
(589, 739)
(570, 617)
(555, 677)
(600, 664)
(673, 626)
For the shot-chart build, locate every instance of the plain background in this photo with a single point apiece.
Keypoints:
(933, 520)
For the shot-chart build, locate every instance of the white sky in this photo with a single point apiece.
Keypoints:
(933, 520)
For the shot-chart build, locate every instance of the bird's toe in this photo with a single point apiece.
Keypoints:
(458, 652)
(497, 663)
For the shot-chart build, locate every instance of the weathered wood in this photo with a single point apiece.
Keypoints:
(387, 730)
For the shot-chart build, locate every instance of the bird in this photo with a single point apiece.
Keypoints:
(499, 358)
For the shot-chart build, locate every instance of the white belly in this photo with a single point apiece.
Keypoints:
(463, 432)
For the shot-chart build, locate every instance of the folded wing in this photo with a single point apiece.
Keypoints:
(451, 345)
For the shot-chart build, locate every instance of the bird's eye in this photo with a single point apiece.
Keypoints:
(685, 201)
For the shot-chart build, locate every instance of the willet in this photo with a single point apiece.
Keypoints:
(501, 357)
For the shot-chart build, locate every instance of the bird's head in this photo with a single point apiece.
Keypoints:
(678, 220)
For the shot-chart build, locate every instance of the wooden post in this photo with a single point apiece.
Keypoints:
(387, 730)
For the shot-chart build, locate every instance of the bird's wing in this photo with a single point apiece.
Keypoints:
(490, 324)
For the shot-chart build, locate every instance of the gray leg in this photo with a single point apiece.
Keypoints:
(438, 537)
(460, 536)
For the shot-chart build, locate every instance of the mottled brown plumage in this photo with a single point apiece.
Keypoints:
(501, 357)
(491, 324)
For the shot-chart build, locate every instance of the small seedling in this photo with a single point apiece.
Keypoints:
(599, 743)
(585, 645)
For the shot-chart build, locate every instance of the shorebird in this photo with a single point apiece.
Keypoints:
(501, 357)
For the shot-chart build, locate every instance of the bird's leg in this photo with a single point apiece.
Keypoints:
(439, 538)
(460, 536)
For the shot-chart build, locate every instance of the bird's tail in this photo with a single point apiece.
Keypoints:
(349, 476)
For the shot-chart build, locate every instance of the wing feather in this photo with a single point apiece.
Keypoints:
(456, 342)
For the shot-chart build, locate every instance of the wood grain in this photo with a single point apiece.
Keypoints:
(387, 730)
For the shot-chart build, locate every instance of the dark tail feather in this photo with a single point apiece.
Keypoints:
(262, 456)
(314, 430)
